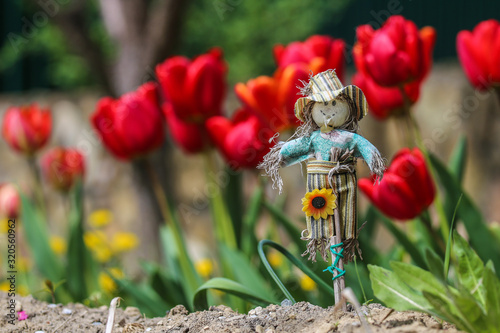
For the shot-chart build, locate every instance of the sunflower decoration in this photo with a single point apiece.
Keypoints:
(319, 203)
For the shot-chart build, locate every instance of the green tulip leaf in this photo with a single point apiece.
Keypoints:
(419, 279)
(144, 297)
(469, 269)
(389, 288)
(444, 310)
(492, 286)
(480, 237)
(246, 274)
(458, 159)
(228, 286)
(35, 230)
(435, 264)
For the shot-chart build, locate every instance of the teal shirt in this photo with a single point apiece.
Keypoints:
(301, 149)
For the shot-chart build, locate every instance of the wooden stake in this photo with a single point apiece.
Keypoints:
(339, 283)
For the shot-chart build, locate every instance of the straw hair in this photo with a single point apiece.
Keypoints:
(325, 87)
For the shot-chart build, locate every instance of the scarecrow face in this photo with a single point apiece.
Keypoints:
(330, 115)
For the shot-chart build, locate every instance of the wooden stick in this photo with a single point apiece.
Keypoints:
(339, 283)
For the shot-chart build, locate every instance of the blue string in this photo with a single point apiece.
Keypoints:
(337, 258)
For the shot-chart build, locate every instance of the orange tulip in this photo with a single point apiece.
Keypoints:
(272, 98)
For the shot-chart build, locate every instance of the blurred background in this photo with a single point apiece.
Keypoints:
(67, 54)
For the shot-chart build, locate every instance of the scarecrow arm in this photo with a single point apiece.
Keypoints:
(296, 151)
(370, 154)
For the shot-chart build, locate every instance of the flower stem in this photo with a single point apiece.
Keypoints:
(223, 225)
(438, 203)
(171, 219)
(38, 183)
(424, 217)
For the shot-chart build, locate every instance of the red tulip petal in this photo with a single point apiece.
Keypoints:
(395, 198)
(190, 137)
(465, 50)
(218, 128)
(206, 86)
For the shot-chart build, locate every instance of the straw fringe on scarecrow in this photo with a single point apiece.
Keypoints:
(328, 141)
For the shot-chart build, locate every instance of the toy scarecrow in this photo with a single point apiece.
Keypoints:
(328, 141)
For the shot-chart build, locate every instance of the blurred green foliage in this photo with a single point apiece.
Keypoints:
(245, 30)
(248, 30)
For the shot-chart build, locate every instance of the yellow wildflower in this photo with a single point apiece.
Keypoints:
(124, 241)
(4, 225)
(275, 258)
(102, 254)
(58, 244)
(204, 267)
(5, 286)
(100, 218)
(95, 239)
(307, 284)
(106, 282)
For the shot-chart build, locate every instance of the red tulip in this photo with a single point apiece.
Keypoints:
(479, 53)
(196, 88)
(406, 188)
(242, 141)
(61, 167)
(396, 54)
(272, 98)
(131, 125)
(10, 201)
(384, 101)
(27, 128)
(190, 137)
(319, 52)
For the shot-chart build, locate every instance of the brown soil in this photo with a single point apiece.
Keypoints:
(301, 317)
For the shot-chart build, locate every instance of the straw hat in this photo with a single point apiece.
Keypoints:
(325, 87)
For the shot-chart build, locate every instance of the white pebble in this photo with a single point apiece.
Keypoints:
(52, 305)
(67, 311)
(148, 329)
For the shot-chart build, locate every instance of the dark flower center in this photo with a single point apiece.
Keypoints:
(318, 202)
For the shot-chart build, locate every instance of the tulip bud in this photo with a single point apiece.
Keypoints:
(61, 167)
(27, 128)
(9, 201)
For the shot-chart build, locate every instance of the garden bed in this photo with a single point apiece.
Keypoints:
(301, 317)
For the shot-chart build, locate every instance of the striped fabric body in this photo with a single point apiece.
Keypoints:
(344, 187)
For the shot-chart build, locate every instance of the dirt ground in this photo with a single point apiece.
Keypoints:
(301, 317)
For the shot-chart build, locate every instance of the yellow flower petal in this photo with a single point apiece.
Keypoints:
(100, 218)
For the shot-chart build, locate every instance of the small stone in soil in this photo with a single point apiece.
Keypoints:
(286, 302)
(67, 311)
